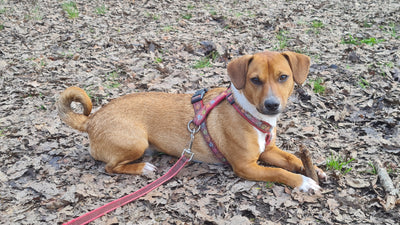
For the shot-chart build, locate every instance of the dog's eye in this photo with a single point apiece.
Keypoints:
(283, 78)
(256, 81)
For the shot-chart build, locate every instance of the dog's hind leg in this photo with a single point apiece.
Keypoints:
(121, 159)
(119, 153)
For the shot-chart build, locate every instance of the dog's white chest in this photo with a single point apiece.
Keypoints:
(261, 140)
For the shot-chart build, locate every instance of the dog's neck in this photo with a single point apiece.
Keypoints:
(241, 100)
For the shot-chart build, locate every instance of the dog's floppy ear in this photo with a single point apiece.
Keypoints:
(300, 65)
(237, 70)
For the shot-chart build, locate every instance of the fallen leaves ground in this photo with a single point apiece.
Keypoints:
(117, 47)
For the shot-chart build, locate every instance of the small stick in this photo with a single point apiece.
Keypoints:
(384, 179)
(308, 164)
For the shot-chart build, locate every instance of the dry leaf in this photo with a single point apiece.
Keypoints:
(332, 204)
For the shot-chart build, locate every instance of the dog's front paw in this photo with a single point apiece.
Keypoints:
(308, 184)
(148, 168)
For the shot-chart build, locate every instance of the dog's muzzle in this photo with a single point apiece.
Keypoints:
(272, 106)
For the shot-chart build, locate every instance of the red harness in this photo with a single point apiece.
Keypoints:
(201, 112)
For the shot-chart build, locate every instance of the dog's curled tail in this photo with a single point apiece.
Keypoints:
(73, 119)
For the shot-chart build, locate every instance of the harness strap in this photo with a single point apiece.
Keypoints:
(201, 112)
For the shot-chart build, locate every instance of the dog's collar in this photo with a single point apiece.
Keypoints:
(201, 112)
(261, 125)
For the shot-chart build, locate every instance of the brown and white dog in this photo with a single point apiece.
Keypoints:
(122, 130)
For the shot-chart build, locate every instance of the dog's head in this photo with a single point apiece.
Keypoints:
(267, 79)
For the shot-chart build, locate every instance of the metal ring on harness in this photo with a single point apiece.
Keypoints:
(194, 130)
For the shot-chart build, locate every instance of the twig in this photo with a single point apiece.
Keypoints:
(308, 164)
(384, 179)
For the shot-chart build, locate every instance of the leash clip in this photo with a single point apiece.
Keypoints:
(192, 131)
(188, 152)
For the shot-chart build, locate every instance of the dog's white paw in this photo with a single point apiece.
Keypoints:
(148, 168)
(308, 184)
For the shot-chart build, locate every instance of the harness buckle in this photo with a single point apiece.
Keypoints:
(198, 95)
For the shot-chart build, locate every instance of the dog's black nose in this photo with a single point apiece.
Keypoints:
(272, 105)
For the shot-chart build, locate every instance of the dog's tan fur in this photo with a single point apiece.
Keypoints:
(122, 130)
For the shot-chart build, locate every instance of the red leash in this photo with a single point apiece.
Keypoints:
(186, 156)
(94, 214)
